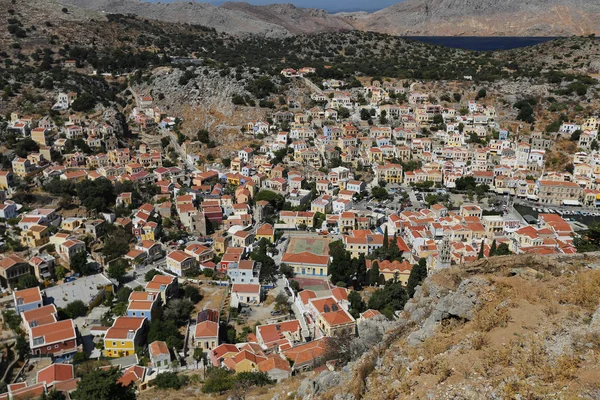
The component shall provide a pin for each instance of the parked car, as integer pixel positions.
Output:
(275, 313)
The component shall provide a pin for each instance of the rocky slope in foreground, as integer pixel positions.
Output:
(510, 327)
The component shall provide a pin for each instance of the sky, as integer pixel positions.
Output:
(329, 5)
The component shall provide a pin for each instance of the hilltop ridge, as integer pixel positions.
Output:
(410, 17)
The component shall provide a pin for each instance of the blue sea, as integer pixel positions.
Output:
(483, 43)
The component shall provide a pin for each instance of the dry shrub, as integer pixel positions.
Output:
(587, 341)
(364, 368)
(479, 340)
(551, 308)
(491, 317)
(584, 289)
(443, 371)
(436, 345)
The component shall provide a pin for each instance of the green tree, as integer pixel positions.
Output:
(193, 293)
(379, 193)
(391, 298)
(123, 294)
(27, 281)
(170, 380)
(385, 238)
(374, 274)
(96, 195)
(79, 263)
(101, 384)
(22, 346)
(493, 248)
(416, 277)
(503, 250)
(357, 304)
(118, 269)
(151, 274)
(481, 253)
(218, 380)
(481, 94)
(268, 268)
(76, 309)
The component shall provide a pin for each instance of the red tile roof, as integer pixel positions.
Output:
(55, 373)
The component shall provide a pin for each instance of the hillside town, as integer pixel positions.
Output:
(149, 256)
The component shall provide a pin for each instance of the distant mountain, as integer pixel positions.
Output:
(410, 17)
(485, 18)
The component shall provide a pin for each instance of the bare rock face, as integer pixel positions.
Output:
(409, 17)
(485, 18)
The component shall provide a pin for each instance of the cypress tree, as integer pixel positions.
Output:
(416, 277)
(385, 238)
(481, 255)
(374, 274)
(493, 248)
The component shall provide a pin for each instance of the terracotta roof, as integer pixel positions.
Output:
(308, 351)
(306, 295)
(370, 314)
(273, 332)
(60, 331)
(178, 256)
(325, 304)
(274, 362)
(40, 316)
(55, 373)
(122, 327)
(339, 317)
(245, 288)
(157, 348)
(11, 261)
(29, 296)
(206, 329)
(305, 258)
(223, 349)
(132, 374)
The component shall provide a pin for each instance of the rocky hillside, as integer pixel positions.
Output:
(509, 327)
(409, 17)
(485, 18)
(295, 20)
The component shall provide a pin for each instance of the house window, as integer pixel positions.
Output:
(114, 343)
(49, 348)
(56, 346)
(123, 343)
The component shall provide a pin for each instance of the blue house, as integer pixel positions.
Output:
(28, 299)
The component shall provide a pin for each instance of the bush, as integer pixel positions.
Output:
(170, 380)
(151, 274)
(76, 309)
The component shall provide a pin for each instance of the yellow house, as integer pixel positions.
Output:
(179, 261)
(70, 224)
(22, 166)
(124, 336)
(220, 245)
(336, 322)
(266, 231)
(6, 179)
(36, 236)
(244, 361)
(149, 231)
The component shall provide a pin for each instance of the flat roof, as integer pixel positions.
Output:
(84, 289)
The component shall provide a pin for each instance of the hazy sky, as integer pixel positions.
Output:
(329, 5)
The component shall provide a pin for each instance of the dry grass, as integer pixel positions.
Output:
(479, 340)
(490, 317)
(583, 290)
